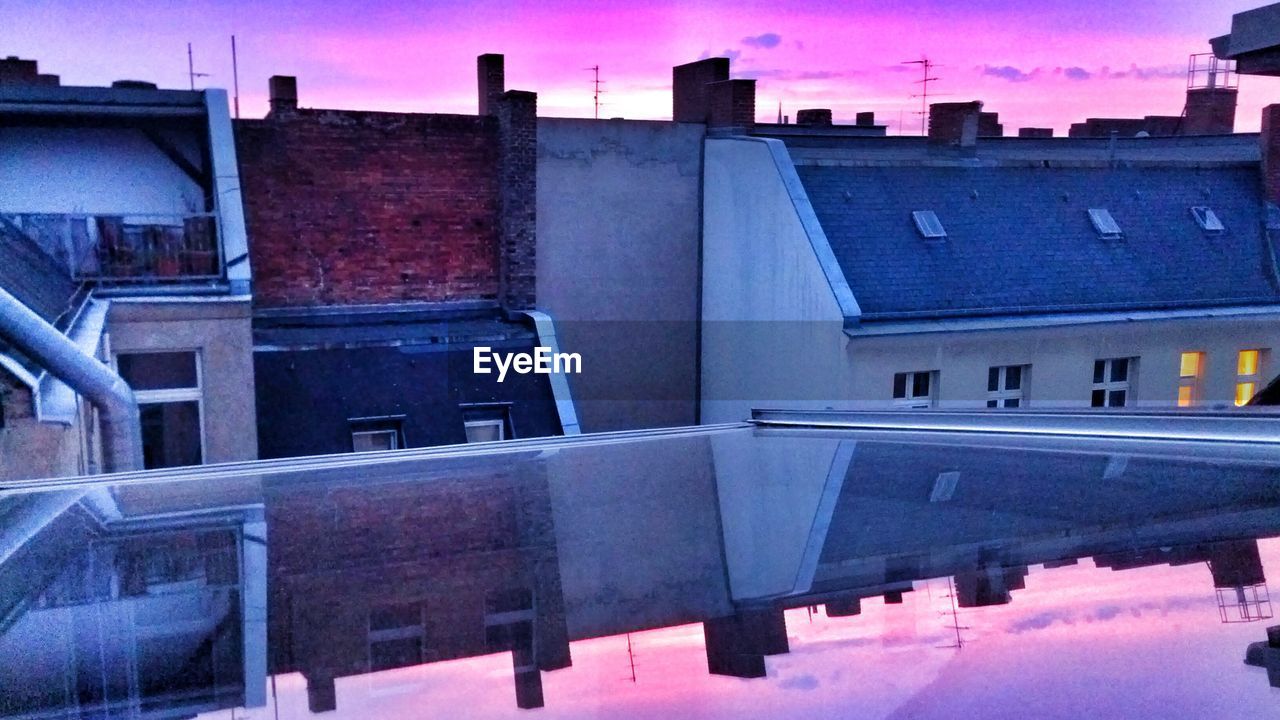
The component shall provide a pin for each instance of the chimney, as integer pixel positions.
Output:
(517, 113)
(813, 116)
(1270, 139)
(732, 105)
(1210, 111)
(989, 125)
(1033, 132)
(954, 124)
(865, 119)
(690, 95)
(16, 71)
(491, 78)
(283, 90)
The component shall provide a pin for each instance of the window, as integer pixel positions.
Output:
(1112, 381)
(487, 422)
(396, 635)
(1006, 386)
(914, 389)
(1248, 368)
(167, 385)
(928, 225)
(1190, 368)
(1207, 219)
(373, 434)
(1107, 227)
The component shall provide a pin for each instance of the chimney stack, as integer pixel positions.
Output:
(1210, 111)
(1270, 139)
(517, 115)
(813, 116)
(491, 78)
(16, 71)
(1034, 132)
(955, 124)
(283, 91)
(865, 119)
(732, 105)
(690, 91)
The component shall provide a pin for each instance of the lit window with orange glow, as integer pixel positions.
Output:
(1190, 367)
(1248, 367)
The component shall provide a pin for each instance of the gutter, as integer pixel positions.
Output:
(63, 359)
(559, 381)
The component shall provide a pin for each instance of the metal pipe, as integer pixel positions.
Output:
(107, 391)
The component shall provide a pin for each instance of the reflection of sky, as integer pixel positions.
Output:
(1044, 63)
(1077, 642)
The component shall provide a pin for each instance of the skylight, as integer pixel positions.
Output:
(1105, 224)
(1207, 219)
(928, 224)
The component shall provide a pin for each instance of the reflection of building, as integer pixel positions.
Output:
(120, 216)
(1236, 568)
(104, 614)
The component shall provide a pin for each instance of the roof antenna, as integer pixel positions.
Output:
(927, 66)
(235, 76)
(191, 69)
(595, 84)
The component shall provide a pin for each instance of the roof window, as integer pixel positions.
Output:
(1207, 219)
(1106, 225)
(928, 225)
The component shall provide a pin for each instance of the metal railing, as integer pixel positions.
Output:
(127, 248)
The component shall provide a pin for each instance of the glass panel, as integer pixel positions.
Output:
(484, 431)
(993, 379)
(1099, 371)
(1247, 364)
(993, 403)
(374, 440)
(1185, 396)
(170, 434)
(900, 385)
(920, 385)
(1120, 370)
(1012, 402)
(1244, 393)
(1190, 365)
(1099, 398)
(158, 371)
(1117, 398)
(1013, 377)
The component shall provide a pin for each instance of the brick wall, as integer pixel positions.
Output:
(1270, 139)
(732, 105)
(518, 207)
(360, 207)
(1210, 111)
(690, 98)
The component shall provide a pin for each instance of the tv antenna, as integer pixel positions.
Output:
(191, 69)
(235, 76)
(595, 88)
(926, 67)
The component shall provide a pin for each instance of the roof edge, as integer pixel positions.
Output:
(1011, 322)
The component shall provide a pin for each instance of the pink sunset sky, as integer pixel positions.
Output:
(1046, 63)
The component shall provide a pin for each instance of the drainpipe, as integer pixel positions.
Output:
(105, 390)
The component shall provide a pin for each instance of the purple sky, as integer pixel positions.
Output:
(1036, 63)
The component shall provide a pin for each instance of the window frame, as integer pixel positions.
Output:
(1190, 383)
(378, 425)
(1109, 385)
(1002, 394)
(494, 422)
(1254, 379)
(172, 395)
(910, 399)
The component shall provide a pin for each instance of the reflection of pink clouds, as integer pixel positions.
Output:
(421, 56)
(1132, 643)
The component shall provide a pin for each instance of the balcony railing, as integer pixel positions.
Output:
(127, 248)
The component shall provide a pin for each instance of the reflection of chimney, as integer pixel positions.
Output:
(690, 94)
(954, 124)
(1210, 111)
(1032, 132)
(283, 90)
(1270, 140)
(491, 78)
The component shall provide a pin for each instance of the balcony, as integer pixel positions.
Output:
(127, 248)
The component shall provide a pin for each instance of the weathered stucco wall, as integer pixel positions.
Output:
(31, 449)
(618, 233)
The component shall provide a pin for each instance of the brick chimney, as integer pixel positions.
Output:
(813, 116)
(283, 91)
(954, 124)
(732, 105)
(517, 113)
(1270, 140)
(865, 119)
(690, 95)
(491, 81)
(1210, 111)
(16, 71)
(1035, 132)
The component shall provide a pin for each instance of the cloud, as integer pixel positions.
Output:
(1158, 72)
(1075, 73)
(1008, 72)
(799, 45)
(729, 53)
(800, 682)
(767, 40)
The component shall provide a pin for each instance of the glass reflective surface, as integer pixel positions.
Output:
(733, 572)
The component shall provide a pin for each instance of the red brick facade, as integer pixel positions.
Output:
(351, 208)
(1270, 140)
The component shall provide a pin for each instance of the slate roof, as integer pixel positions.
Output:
(1019, 238)
(32, 276)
